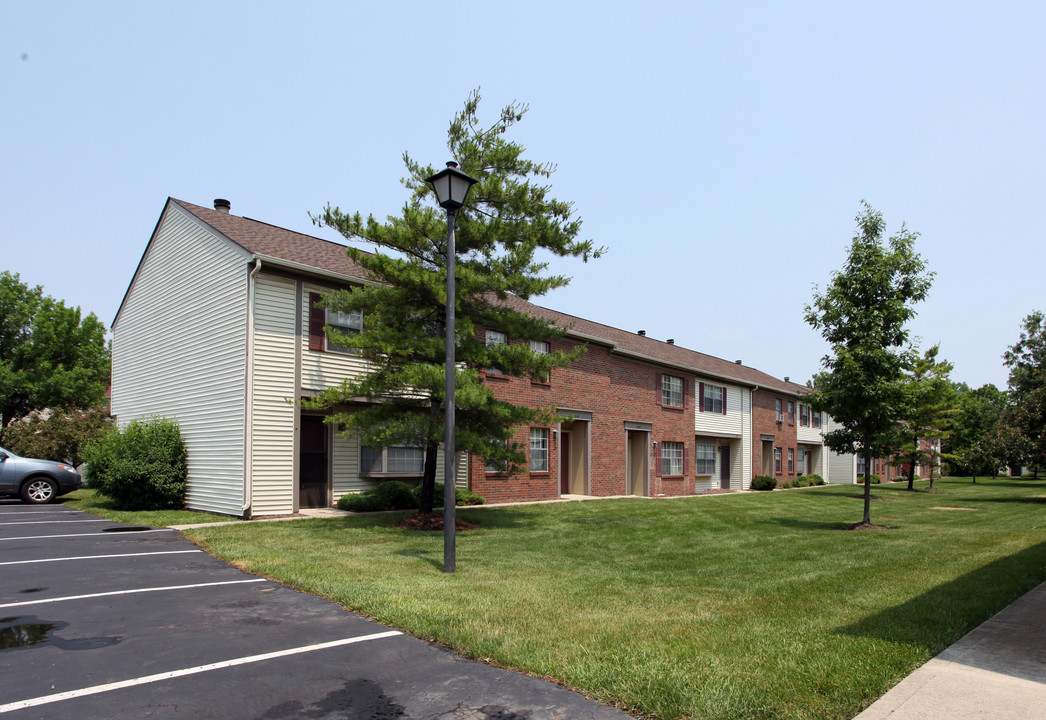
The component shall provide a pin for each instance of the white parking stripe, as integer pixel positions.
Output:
(51, 522)
(98, 557)
(94, 534)
(44, 700)
(129, 592)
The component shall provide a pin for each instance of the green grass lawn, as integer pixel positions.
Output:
(90, 501)
(753, 605)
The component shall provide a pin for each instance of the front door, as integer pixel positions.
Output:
(564, 463)
(637, 463)
(724, 466)
(312, 469)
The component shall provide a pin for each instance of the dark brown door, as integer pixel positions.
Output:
(312, 471)
(564, 463)
(724, 466)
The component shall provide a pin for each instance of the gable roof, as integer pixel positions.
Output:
(305, 252)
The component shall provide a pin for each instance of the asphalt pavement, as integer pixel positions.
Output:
(99, 620)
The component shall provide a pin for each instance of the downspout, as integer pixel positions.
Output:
(248, 478)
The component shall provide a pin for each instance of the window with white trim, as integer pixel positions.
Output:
(791, 460)
(704, 458)
(791, 413)
(541, 348)
(777, 459)
(817, 419)
(538, 449)
(671, 458)
(802, 461)
(777, 410)
(672, 391)
(491, 468)
(346, 323)
(804, 414)
(391, 460)
(493, 337)
(714, 399)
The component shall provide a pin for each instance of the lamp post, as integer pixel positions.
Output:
(451, 186)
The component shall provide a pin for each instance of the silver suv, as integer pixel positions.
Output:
(36, 481)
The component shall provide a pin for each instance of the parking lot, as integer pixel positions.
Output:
(102, 620)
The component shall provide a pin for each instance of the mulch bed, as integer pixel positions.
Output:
(432, 521)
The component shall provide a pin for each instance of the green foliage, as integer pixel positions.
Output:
(863, 314)
(926, 417)
(59, 434)
(462, 496)
(763, 482)
(978, 444)
(387, 495)
(50, 356)
(1026, 416)
(144, 467)
(814, 480)
(874, 479)
(509, 217)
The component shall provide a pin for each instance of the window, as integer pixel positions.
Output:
(791, 413)
(538, 449)
(672, 458)
(493, 337)
(347, 324)
(791, 460)
(704, 459)
(492, 468)
(817, 419)
(777, 459)
(541, 348)
(802, 461)
(804, 414)
(860, 465)
(777, 409)
(392, 460)
(713, 398)
(671, 391)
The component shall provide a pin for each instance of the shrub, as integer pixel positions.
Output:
(814, 480)
(462, 496)
(387, 495)
(916, 478)
(58, 434)
(142, 467)
(876, 479)
(786, 485)
(763, 482)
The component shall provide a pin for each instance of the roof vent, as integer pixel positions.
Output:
(642, 333)
(671, 341)
(787, 379)
(737, 362)
(222, 205)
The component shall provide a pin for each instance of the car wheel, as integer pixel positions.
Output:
(39, 491)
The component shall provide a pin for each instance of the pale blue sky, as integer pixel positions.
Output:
(719, 150)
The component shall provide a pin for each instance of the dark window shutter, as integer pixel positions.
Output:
(724, 400)
(686, 462)
(700, 397)
(657, 460)
(657, 392)
(686, 391)
(317, 319)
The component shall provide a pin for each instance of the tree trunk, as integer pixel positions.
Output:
(867, 484)
(428, 480)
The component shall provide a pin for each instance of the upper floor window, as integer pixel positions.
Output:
(777, 410)
(541, 348)
(704, 458)
(346, 323)
(804, 414)
(493, 337)
(672, 391)
(817, 419)
(538, 449)
(391, 460)
(713, 398)
(791, 413)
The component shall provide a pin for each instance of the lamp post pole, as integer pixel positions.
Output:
(451, 187)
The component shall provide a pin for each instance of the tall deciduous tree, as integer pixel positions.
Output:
(50, 355)
(1027, 362)
(863, 315)
(927, 414)
(975, 445)
(509, 217)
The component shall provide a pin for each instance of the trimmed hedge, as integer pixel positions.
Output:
(763, 482)
(462, 496)
(395, 495)
(142, 467)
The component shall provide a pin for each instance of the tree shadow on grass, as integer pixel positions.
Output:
(818, 525)
(429, 557)
(939, 617)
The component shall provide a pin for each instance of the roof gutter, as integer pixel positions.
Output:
(274, 262)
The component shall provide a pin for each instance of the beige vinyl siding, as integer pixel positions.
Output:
(736, 425)
(842, 469)
(732, 423)
(347, 465)
(178, 352)
(320, 370)
(745, 466)
(272, 439)
(807, 433)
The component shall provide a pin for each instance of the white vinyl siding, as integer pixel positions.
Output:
(320, 370)
(732, 423)
(272, 440)
(178, 352)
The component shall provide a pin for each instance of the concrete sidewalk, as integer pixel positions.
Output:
(996, 672)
